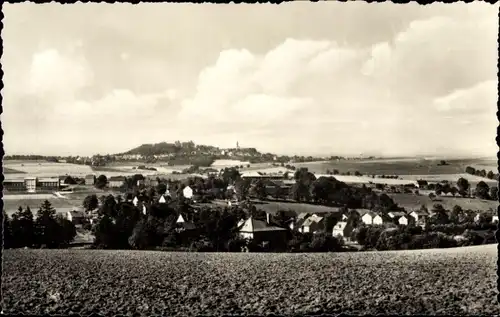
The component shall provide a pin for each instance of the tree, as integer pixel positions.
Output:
(69, 180)
(22, 228)
(463, 185)
(7, 231)
(242, 187)
(494, 193)
(490, 175)
(67, 230)
(258, 190)
(439, 217)
(161, 189)
(101, 181)
(470, 170)
(90, 202)
(46, 227)
(482, 190)
(432, 196)
(104, 233)
(454, 191)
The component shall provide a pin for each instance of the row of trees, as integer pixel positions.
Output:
(46, 230)
(482, 173)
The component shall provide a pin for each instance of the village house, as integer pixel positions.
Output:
(396, 214)
(76, 216)
(135, 201)
(420, 216)
(312, 224)
(90, 180)
(405, 220)
(116, 181)
(494, 218)
(162, 200)
(368, 217)
(183, 224)
(343, 230)
(261, 232)
(187, 192)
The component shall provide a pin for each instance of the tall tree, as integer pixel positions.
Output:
(463, 186)
(90, 202)
(482, 190)
(101, 181)
(47, 228)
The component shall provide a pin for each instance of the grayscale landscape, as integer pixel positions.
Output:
(301, 158)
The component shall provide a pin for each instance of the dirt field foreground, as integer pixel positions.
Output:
(458, 281)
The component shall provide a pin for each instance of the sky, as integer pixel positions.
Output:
(296, 78)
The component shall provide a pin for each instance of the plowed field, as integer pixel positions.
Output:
(450, 281)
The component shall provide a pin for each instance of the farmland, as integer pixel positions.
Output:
(398, 166)
(445, 281)
(412, 202)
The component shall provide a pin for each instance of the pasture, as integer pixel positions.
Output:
(48, 169)
(458, 281)
(411, 202)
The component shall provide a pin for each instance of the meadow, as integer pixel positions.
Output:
(438, 281)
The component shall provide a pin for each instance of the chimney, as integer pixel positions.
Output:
(267, 217)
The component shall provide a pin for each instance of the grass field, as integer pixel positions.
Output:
(7, 170)
(447, 281)
(397, 166)
(412, 202)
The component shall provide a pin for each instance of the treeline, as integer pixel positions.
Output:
(47, 230)
(482, 173)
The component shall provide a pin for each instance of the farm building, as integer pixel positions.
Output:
(312, 224)
(50, 183)
(262, 232)
(90, 180)
(116, 181)
(187, 192)
(14, 185)
(343, 230)
(30, 184)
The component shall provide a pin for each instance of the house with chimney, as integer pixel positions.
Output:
(342, 229)
(264, 233)
(312, 224)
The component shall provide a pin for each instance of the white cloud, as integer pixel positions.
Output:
(481, 97)
(58, 76)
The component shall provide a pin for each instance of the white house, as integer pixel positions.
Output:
(312, 224)
(420, 216)
(135, 201)
(144, 211)
(368, 218)
(404, 220)
(494, 218)
(162, 200)
(377, 220)
(344, 217)
(187, 192)
(477, 216)
(341, 229)
(180, 219)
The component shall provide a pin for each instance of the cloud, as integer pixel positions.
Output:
(56, 75)
(480, 98)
